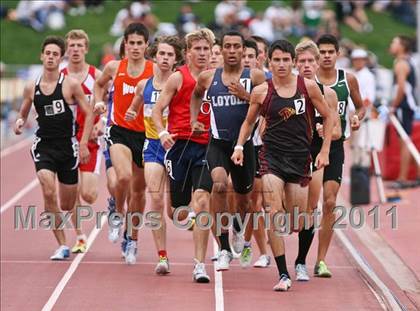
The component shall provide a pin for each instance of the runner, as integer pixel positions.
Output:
(250, 60)
(287, 102)
(345, 86)
(77, 44)
(166, 52)
(55, 149)
(307, 58)
(228, 89)
(190, 182)
(126, 138)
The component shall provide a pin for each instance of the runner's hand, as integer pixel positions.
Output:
(238, 157)
(19, 126)
(167, 140)
(130, 115)
(99, 108)
(235, 88)
(355, 122)
(322, 160)
(84, 153)
(197, 128)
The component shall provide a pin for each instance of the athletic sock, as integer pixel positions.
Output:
(281, 265)
(224, 241)
(247, 244)
(305, 240)
(162, 253)
(236, 225)
(81, 237)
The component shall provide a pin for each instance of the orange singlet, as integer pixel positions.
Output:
(124, 87)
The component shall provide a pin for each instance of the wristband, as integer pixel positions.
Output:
(162, 133)
(239, 147)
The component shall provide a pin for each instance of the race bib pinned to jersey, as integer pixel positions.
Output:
(300, 105)
(57, 107)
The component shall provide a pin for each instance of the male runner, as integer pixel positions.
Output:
(287, 102)
(55, 149)
(250, 60)
(166, 51)
(126, 138)
(77, 44)
(189, 179)
(228, 89)
(345, 86)
(307, 58)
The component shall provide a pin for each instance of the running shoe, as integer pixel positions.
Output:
(131, 252)
(216, 256)
(80, 246)
(301, 273)
(61, 253)
(284, 284)
(124, 245)
(321, 270)
(238, 242)
(224, 260)
(199, 274)
(246, 257)
(162, 267)
(114, 224)
(262, 262)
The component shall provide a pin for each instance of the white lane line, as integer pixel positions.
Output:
(19, 195)
(218, 283)
(75, 263)
(378, 285)
(15, 147)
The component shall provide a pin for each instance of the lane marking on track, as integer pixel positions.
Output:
(19, 195)
(70, 271)
(384, 293)
(218, 283)
(15, 147)
(147, 263)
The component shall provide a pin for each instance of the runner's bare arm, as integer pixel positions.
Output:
(257, 98)
(131, 113)
(22, 116)
(101, 85)
(201, 86)
(325, 111)
(332, 100)
(357, 100)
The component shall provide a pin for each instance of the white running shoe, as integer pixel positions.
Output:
(162, 267)
(223, 261)
(216, 256)
(199, 273)
(114, 230)
(61, 253)
(283, 285)
(301, 273)
(238, 242)
(262, 262)
(131, 252)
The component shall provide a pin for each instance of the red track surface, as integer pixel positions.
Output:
(103, 282)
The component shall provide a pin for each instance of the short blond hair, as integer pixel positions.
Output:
(307, 45)
(201, 34)
(77, 34)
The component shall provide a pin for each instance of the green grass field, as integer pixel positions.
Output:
(20, 45)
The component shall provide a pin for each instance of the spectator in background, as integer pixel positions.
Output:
(41, 14)
(262, 27)
(281, 17)
(317, 19)
(186, 19)
(404, 102)
(404, 11)
(367, 88)
(352, 13)
(225, 13)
